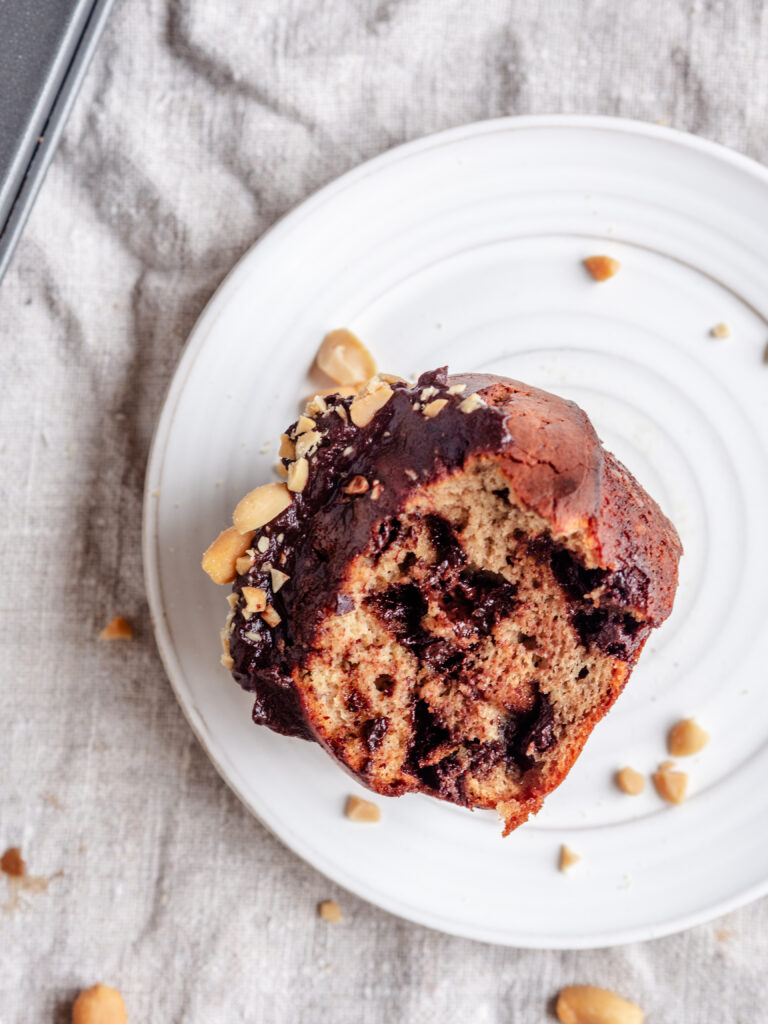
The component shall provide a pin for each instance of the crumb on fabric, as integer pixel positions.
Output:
(118, 629)
(330, 911)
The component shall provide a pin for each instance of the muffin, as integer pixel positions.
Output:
(450, 589)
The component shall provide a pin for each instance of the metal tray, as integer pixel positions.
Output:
(45, 49)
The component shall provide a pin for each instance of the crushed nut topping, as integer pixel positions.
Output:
(226, 657)
(262, 544)
(307, 443)
(303, 424)
(411, 474)
(344, 358)
(260, 506)
(298, 474)
(457, 389)
(427, 393)
(686, 738)
(357, 485)
(278, 579)
(271, 616)
(317, 406)
(586, 1004)
(244, 564)
(433, 408)
(567, 858)
(348, 450)
(255, 601)
(367, 404)
(376, 490)
(721, 331)
(280, 469)
(220, 560)
(341, 411)
(670, 785)
(471, 403)
(357, 809)
(330, 911)
(602, 267)
(287, 449)
(118, 629)
(630, 782)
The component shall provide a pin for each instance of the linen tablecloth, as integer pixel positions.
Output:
(201, 123)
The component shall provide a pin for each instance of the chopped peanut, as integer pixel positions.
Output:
(602, 267)
(357, 485)
(298, 474)
(278, 579)
(567, 858)
(303, 424)
(344, 358)
(629, 781)
(99, 1004)
(586, 1004)
(367, 404)
(244, 563)
(721, 331)
(220, 560)
(471, 403)
(357, 809)
(255, 601)
(118, 629)
(330, 911)
(306, 442)
(433, 408)
(260, 506)
(271, 616)
(670, 785)
(287, 448)
(686, 738)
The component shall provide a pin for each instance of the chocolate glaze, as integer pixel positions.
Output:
(556, 467)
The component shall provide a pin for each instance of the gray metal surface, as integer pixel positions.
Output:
(45, 46)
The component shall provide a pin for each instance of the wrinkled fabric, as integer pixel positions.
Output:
(200, 124)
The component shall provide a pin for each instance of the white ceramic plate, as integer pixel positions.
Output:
(465, 248)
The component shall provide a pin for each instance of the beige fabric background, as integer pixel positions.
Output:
(200, 123)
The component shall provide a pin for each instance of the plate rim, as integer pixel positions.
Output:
(155, 459)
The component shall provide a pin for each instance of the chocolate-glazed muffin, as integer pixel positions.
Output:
(451, 589)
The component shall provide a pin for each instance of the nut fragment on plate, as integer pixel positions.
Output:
(720, 331)
(357, 809)
(568, 857)
(602, 267)
(220, 560)
(118, 629)
(686, 738)
(344, 358)
(629, 781)
(99, 1004)
(587, 1004)
(330, 911)
(671, 785)
(365, 406)
(260, 506)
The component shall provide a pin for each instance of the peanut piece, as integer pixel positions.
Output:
(357, 809)
(220, 560)
(118, 629)
(357, 485)
(340, 391)
(602, 267)
(376, 490)
(344, 358)
(271, 616)
(306, 442)
(586, 1004)
(99, 1004)
(278, 579)
(298, 474)
(629, 781)
(568, 858)
(367, 404)
(433, 408)
(670, 785)
(457, 389)
(287, 449)
(255, 601)
(317, 405)
(721, 331)
(303, 424)
(244, 563)
(330, 911)
(260, 506)
(262, 544)
(471, 402)
(686, 738)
